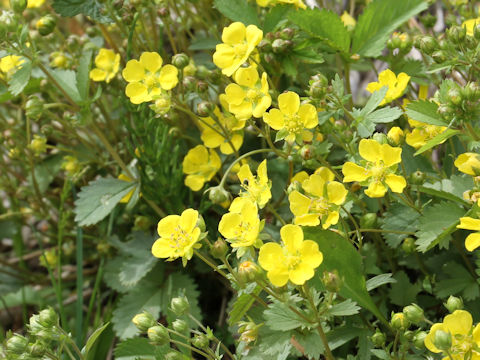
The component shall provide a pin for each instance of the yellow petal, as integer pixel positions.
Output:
(325, 173)
(308, 115)
(224, 56)
(390, 155)
(336, 193)
(376, 189)
(270, 256)
(133, 71)
(245, 174)
(459, 322)
(151, 61)
(469, 223)
(168, 77)
(188, 220)
(234, 94)
(246, 76)
(253, 35)
(262, 106)
(395, 182)
(354, 172)
(314, 185)
(162, 249)
(194, 182)
(476, 334)
(301, 273)
(275, 119)
(299, 203)
(472, 241)
(228, 224)
(278, 276)
(234, 33)
(370, 150)
(289, 103)
(292, 237)
(137, 93)
(98, 75)
(332, 219)
(431, 335)
(310, 254)
(166, 226)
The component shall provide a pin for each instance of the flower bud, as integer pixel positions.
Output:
(202, 72)
(399, 321)
(408, 245)
(419, 339)
(427, 44)
(454, 303)
(158, 334)
(378, 339)
(409, 335)
(439, 56)
(17, 344)
(368, 221)
(34, 107)
(307, 152)
(189, 82)
(218, 195)
(201, 86)
(456, 34)
(395, 136)
(248, 271)
(201, 223)
(163, 12)
(180, 326)
(265, 45)
(413, 313)
(180, 305)
(442, 340)
(219, 249)
(18, 5)
(144, 321)
(417, 177)
(380, 138)
(280, 46)
(205, 108)
(46, 24)
(200, 341)
(173, 355)
(180, 60)
(38, 144)
(142, 222)
(332, 281)
(48, 317)
(248, 331)
(454, 96)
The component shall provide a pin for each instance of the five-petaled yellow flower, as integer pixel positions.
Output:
(179, 236)
(241, 225)
(107, 63)
(10, 64)
(473, 240)
(292, 119)
(148, 78)
(296, 260)
(379, 168)
(213, 132)
(321, 201)
(249, 96)
(457, 329)
(238, 43)
(468, 163)
(255, 188)
(396, 85)
(200, 165)
(422, 133)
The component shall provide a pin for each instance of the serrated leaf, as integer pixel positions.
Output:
(380, 280)
(92, 8)
(458, 280)
(403, 292)
(378, 21)
(384, 115)
(241, 305)
(280, 317)
(274, 16)
(67, 80)
(450, 189)
(20, 78)
(399, 218)
(345, 308)
(138, 348)
(340, 255)
(97, 199)
(440, 138)
(437, 222)
(425, 112)
(373, 102)
(238, 10)
(325, 25)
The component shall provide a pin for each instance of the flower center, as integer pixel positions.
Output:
(240, 50)
(293, 123)
(378, 172)
(151, 81)
(293, 260)
(180, 239)
(253, 94)
(319, 206)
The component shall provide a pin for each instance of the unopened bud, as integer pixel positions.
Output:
(368, 221)
(248, 331)
(158, 334)
(34, 108)
(280, 46)
(408, 245)
(46, 24)
(180, 60)
(442, 340)
(381, 138)
(332, 281)
(180, 325)
(18, 5)
(205, 108)
(180, 305)
(219, 249)
(454, 96)
(395, 136)
(413, 313)
(218, 194)
(38, 144)
(378, 339)
(248, 271)
(419, 339)
(17, 344)
(142, 222)
(200, 341)
(453, 303)
(287, 33)
(399, 321)
(440, 56)
(37, 349)
(417, 177)
(174, 355)
(144, 321)
(48, 317)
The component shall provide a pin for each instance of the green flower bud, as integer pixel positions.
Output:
(399, 321)
(158, 334)
(456, 34)
(142, 222)
(413, 313)
(17, 344)
(37, 349)
(180, 305)
(409, 335)
(34, 107)
(248, 271)
(408, 245)
(173, 355)
(454, 96)
(18, 5)
(38, 144)
(419, 339)
(202, 72)
(201, 86)
(439, 56)
(48, 317)
(219, 249)
(427, 44)
(280, 46)
(428, 20)
(180, 326)
(287, 33)
(332, 281)
(368, 221)
(265, 45)
(46, 24)
(215, 76)
(8, 22)
(307, 152)
(200, 341)
(189, 82)
(180, 60)
(454, 303)
(144, 321)
(378, 339)
(417, 177)
(201, 223)
(442, 340)
(205, 108)
(248, 331)
(380, 138)
(218, 195)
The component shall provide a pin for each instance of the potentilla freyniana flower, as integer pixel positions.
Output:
(396, 85)
(200, 164)
(106, 66)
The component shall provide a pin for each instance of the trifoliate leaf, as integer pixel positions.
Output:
(437, 223)
(20, 78)
(380, 280)
(403, 292)
(92, 8)
(425, 112)
(97, 199)
(238, 10)
(345, 308)
(399, 218)
(280, 317)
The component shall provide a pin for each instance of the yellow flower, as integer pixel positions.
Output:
(249, 96)
(257, 189)
(238, 43)
(71, 165)
(470, 25)
(473, 240)
(148, 78)
(348, 20)
(35, 3)
(297, 3)
(396, 85)
(296, 260)
(379, 169)
(10, 64)
(292, 119)
(212, 132)
(107, 63)
(200, 165)
(458, 330)
(395, 135)
(38, 144)
(422, 133)
(241, 225)
(127, 197)
(468, 163)
(321, 201)
(178, 236)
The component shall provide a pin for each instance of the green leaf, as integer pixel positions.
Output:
(92, 340)
(325, 25)
(68, 82)
(403, 292)
(241, 305)
(399, 218)
(372, 103)
(437, 222)
(238, 10)
(458, 280)
(449, 189)
(425, 112)
(46, 171)
(20, 78)
(97, 199)
(380, 280)
(83, 74)
(384, 115)
(440, 138)
(378, 21)
(339, 254)
(343, 334)
(345, 308)
(92, 8)
(274, 16)
(280, 317)
(203, 44)
(139, 348)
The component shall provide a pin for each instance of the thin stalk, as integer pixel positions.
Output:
(79, 304)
